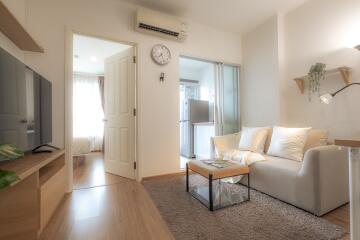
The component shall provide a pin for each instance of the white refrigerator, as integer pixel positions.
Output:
(193, 111)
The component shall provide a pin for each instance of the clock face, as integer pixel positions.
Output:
(161, 54)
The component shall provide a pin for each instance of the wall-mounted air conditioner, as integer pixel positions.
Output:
(161, 25)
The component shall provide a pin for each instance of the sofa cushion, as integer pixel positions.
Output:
(316, 138)
(288, 142)
(253, 138)
(276, 177)
(225, 143)
(276, 165)
(268, 140)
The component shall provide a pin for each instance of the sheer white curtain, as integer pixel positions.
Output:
(219, 99)
(88, 126)
(227, 105)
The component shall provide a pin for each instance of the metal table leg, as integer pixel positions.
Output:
(187, 177)
(248, 175)
(211, 204)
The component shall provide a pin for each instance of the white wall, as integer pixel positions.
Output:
(321, 31)
(158, 113)
(318, 31)
(260, 82)
(18, 10)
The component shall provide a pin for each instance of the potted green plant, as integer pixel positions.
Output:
(9, 152)
(316, 75)
(7, 178)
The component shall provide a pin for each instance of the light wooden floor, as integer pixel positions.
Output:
(341, 217)
(119, 211)
(90, 172)
(122, 210)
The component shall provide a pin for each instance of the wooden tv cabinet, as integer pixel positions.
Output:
(28, 204)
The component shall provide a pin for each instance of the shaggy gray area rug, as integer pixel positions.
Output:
(261, 218)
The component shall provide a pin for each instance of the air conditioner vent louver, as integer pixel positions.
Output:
(156, 29)
(159, 24)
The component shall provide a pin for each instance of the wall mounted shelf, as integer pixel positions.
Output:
(11, 28)
(345, 73)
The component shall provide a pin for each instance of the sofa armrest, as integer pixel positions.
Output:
(221, 144)
(324, 174)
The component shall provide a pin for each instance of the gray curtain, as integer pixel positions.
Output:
(101, 88)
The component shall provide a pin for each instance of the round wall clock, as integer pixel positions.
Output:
(161, 54)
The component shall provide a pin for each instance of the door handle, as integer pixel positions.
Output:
(105, 120)
(23, 121)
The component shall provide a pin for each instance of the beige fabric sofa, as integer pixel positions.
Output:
(318, 184)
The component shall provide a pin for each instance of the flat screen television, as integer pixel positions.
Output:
(25, 105)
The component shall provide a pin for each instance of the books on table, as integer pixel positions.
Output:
(219, 163)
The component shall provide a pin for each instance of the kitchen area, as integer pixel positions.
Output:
(209, 105)
(197, 97)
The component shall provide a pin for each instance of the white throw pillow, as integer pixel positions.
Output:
(253, 138)
(288, 143)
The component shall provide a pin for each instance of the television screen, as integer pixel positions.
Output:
(45, 111)
(25, 105)
(32, 87)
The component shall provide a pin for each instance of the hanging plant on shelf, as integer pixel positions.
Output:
(316, 75)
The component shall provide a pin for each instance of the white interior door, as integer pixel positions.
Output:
(119, 88)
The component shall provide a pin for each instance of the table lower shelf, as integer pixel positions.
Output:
(222, 196)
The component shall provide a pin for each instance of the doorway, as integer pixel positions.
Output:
(209, 105)
(103, 124)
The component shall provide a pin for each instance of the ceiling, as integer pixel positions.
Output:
(231, 15)
(90, 53)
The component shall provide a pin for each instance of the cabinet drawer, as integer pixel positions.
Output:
(51, 194)
(19, 214)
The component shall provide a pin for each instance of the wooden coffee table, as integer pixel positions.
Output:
(212, 173)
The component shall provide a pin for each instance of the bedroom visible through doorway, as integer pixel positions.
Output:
(100, 66)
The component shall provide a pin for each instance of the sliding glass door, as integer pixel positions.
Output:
(231, 108)
(209, 105)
